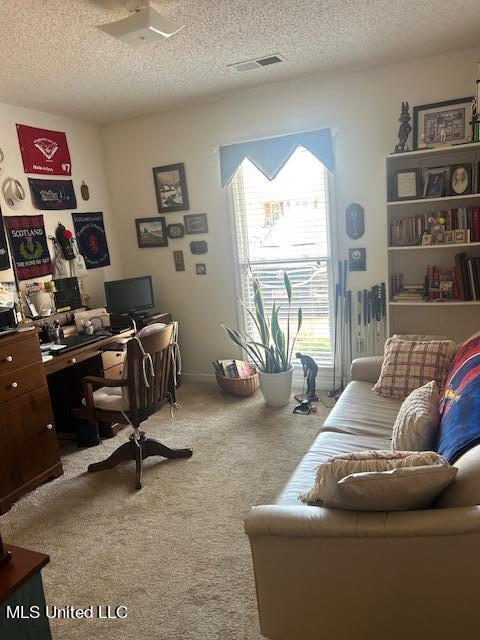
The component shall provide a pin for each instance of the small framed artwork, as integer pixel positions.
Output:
(171, 188)
(196, 223)
(151, 232)
(426, 239)
(438, 237)
(201, 269)
(448, 237)
(460, 236)
(406, 185)
(179, 261)
(434, 183)
(443, 123)
(176, 230)
(357, 259)
(460, 179)
(198, 247)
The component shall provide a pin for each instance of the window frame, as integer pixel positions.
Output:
(324, 380)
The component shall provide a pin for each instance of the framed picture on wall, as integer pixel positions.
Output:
(196, 223)
(151, 232)
(171, 188)
(443, 123)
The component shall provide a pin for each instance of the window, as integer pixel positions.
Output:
(280, 225)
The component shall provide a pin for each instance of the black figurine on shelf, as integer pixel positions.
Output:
(310, 370)
(403, 130)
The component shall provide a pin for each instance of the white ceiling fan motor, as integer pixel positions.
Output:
(142, 26)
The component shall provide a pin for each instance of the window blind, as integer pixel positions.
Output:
(280, 225)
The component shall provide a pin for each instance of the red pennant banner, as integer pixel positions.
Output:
(44, 151)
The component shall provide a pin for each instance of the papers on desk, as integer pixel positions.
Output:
(46, 357)
(51, 346)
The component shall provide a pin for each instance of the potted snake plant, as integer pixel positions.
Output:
(272, 351)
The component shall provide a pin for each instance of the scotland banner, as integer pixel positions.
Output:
(53, 194)
(29, 246)
(91, 239)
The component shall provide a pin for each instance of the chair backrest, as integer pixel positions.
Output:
(149, 364)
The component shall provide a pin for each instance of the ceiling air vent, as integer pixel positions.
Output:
(257, 63)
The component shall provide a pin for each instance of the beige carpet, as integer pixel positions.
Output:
(175, 553)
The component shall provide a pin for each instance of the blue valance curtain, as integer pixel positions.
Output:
(269, 155)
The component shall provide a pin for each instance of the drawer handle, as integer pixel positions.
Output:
(49, 426)
(73, 360)
(14, 385)
(9, 358)
(118, 355)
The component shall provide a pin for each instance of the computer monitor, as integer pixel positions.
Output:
(129, 295)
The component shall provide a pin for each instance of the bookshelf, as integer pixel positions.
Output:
(455, 318)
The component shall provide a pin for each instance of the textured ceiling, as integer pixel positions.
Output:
(54, 59)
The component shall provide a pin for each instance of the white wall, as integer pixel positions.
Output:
(87, 164)
(365, 108)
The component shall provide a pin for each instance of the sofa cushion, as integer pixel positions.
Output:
(465, 489)
(400, 489)
(415, 428)
(361, 411)
(409, 365)
(329, 473)
(326, 445)
(459, 428)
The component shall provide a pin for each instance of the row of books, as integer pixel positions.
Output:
(233, 368)
(409, 230)
(461, 282)
(467, 273)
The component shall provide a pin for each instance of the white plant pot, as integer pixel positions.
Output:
(276, 387)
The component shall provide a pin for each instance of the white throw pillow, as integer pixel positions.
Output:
(330, 473)
(401, 489)
(416, 426)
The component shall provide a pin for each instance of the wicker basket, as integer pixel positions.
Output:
(242, 387)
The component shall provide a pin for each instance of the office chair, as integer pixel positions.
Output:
(150, 366)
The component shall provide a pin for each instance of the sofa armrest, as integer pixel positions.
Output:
(318, 522)
(343, 574)
(366, 369)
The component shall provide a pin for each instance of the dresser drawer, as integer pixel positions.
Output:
(112, 359)
(19, 354)
(16, 383)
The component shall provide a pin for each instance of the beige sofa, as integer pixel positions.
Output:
(343, 575)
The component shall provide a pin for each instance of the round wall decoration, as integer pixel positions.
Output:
(175, 230)
(355, 221)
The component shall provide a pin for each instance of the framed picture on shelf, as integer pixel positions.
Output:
(426, 239)
(196, 223)
(460, 179)
(448, 237)
(443, 123)
(406, 184)
(151, 232)
(434, 182)
(171, 188)
(460, 236)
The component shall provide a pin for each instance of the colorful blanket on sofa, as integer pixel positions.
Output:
(460, 404)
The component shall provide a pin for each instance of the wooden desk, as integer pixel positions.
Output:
(21, 586)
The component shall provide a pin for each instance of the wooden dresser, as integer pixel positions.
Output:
(29, 452)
